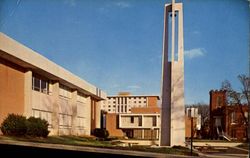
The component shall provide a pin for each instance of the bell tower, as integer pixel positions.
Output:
(173, 110)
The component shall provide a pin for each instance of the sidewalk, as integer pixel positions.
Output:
(90, 149)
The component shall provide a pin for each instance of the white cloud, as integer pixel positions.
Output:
(196, 32)
(122, 4)
(71, 3)
(134, 87)
(194, 53)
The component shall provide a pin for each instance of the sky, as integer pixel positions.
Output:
(116, 45)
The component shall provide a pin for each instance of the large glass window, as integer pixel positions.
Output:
(40, 84)
(64, 91)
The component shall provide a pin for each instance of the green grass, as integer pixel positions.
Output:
(92, 142)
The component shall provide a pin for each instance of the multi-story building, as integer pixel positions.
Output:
(32, 85)
(124, 102)
(136, 117)
(226, 121)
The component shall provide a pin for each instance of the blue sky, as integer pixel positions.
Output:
(117, 44)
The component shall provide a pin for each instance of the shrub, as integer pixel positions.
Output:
(14, 125)
(101, 133)
(37, 127)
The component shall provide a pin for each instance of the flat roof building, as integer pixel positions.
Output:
(124, 102)
(136, 117)
(32, 85)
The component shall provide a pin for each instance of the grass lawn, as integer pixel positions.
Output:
(92, 142)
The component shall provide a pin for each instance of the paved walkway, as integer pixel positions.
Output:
(91, 149)
(220, 150)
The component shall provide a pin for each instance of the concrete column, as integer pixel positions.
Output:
(55, 109)
(73, 103)
(98, 114)
(172, 113)
(28, 93)
(88, 116)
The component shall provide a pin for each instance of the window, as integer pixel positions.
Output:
(233, 119)
(246, 114)
(154, 121)
(82, 98)
(64, 91)
(132, 119)
(40, 85)
(219, 102)
(140, 121)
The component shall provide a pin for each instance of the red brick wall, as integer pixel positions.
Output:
(112, 125)
(11, 89)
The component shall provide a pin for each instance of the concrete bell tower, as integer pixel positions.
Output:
(173, 110)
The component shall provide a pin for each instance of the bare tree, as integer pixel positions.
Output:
(239, 98)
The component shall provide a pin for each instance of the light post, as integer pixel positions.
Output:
(191, 136)
(190, 114)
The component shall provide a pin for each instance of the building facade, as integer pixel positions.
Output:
(124, 102)
(226, 121)
(192, 113)
(136, 117)
(32, 85)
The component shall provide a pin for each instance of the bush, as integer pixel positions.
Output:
(101, 133)
(18, 125)
(37, 127)
(14, 125)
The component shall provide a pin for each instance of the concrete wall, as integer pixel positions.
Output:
(146, 121)
(12, 89)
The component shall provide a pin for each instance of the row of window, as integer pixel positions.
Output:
(42, 85)
(125, 102)
(154, 121)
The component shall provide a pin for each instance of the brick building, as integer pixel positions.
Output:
(226, 121)
(32, 85)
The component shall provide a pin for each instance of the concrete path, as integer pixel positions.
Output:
(220, 150)
(117, 152)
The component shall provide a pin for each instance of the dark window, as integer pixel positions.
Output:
(36, 84)
(219, 101)
(154, 121)
(132, 119)
(40, 85)
(140, 121)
